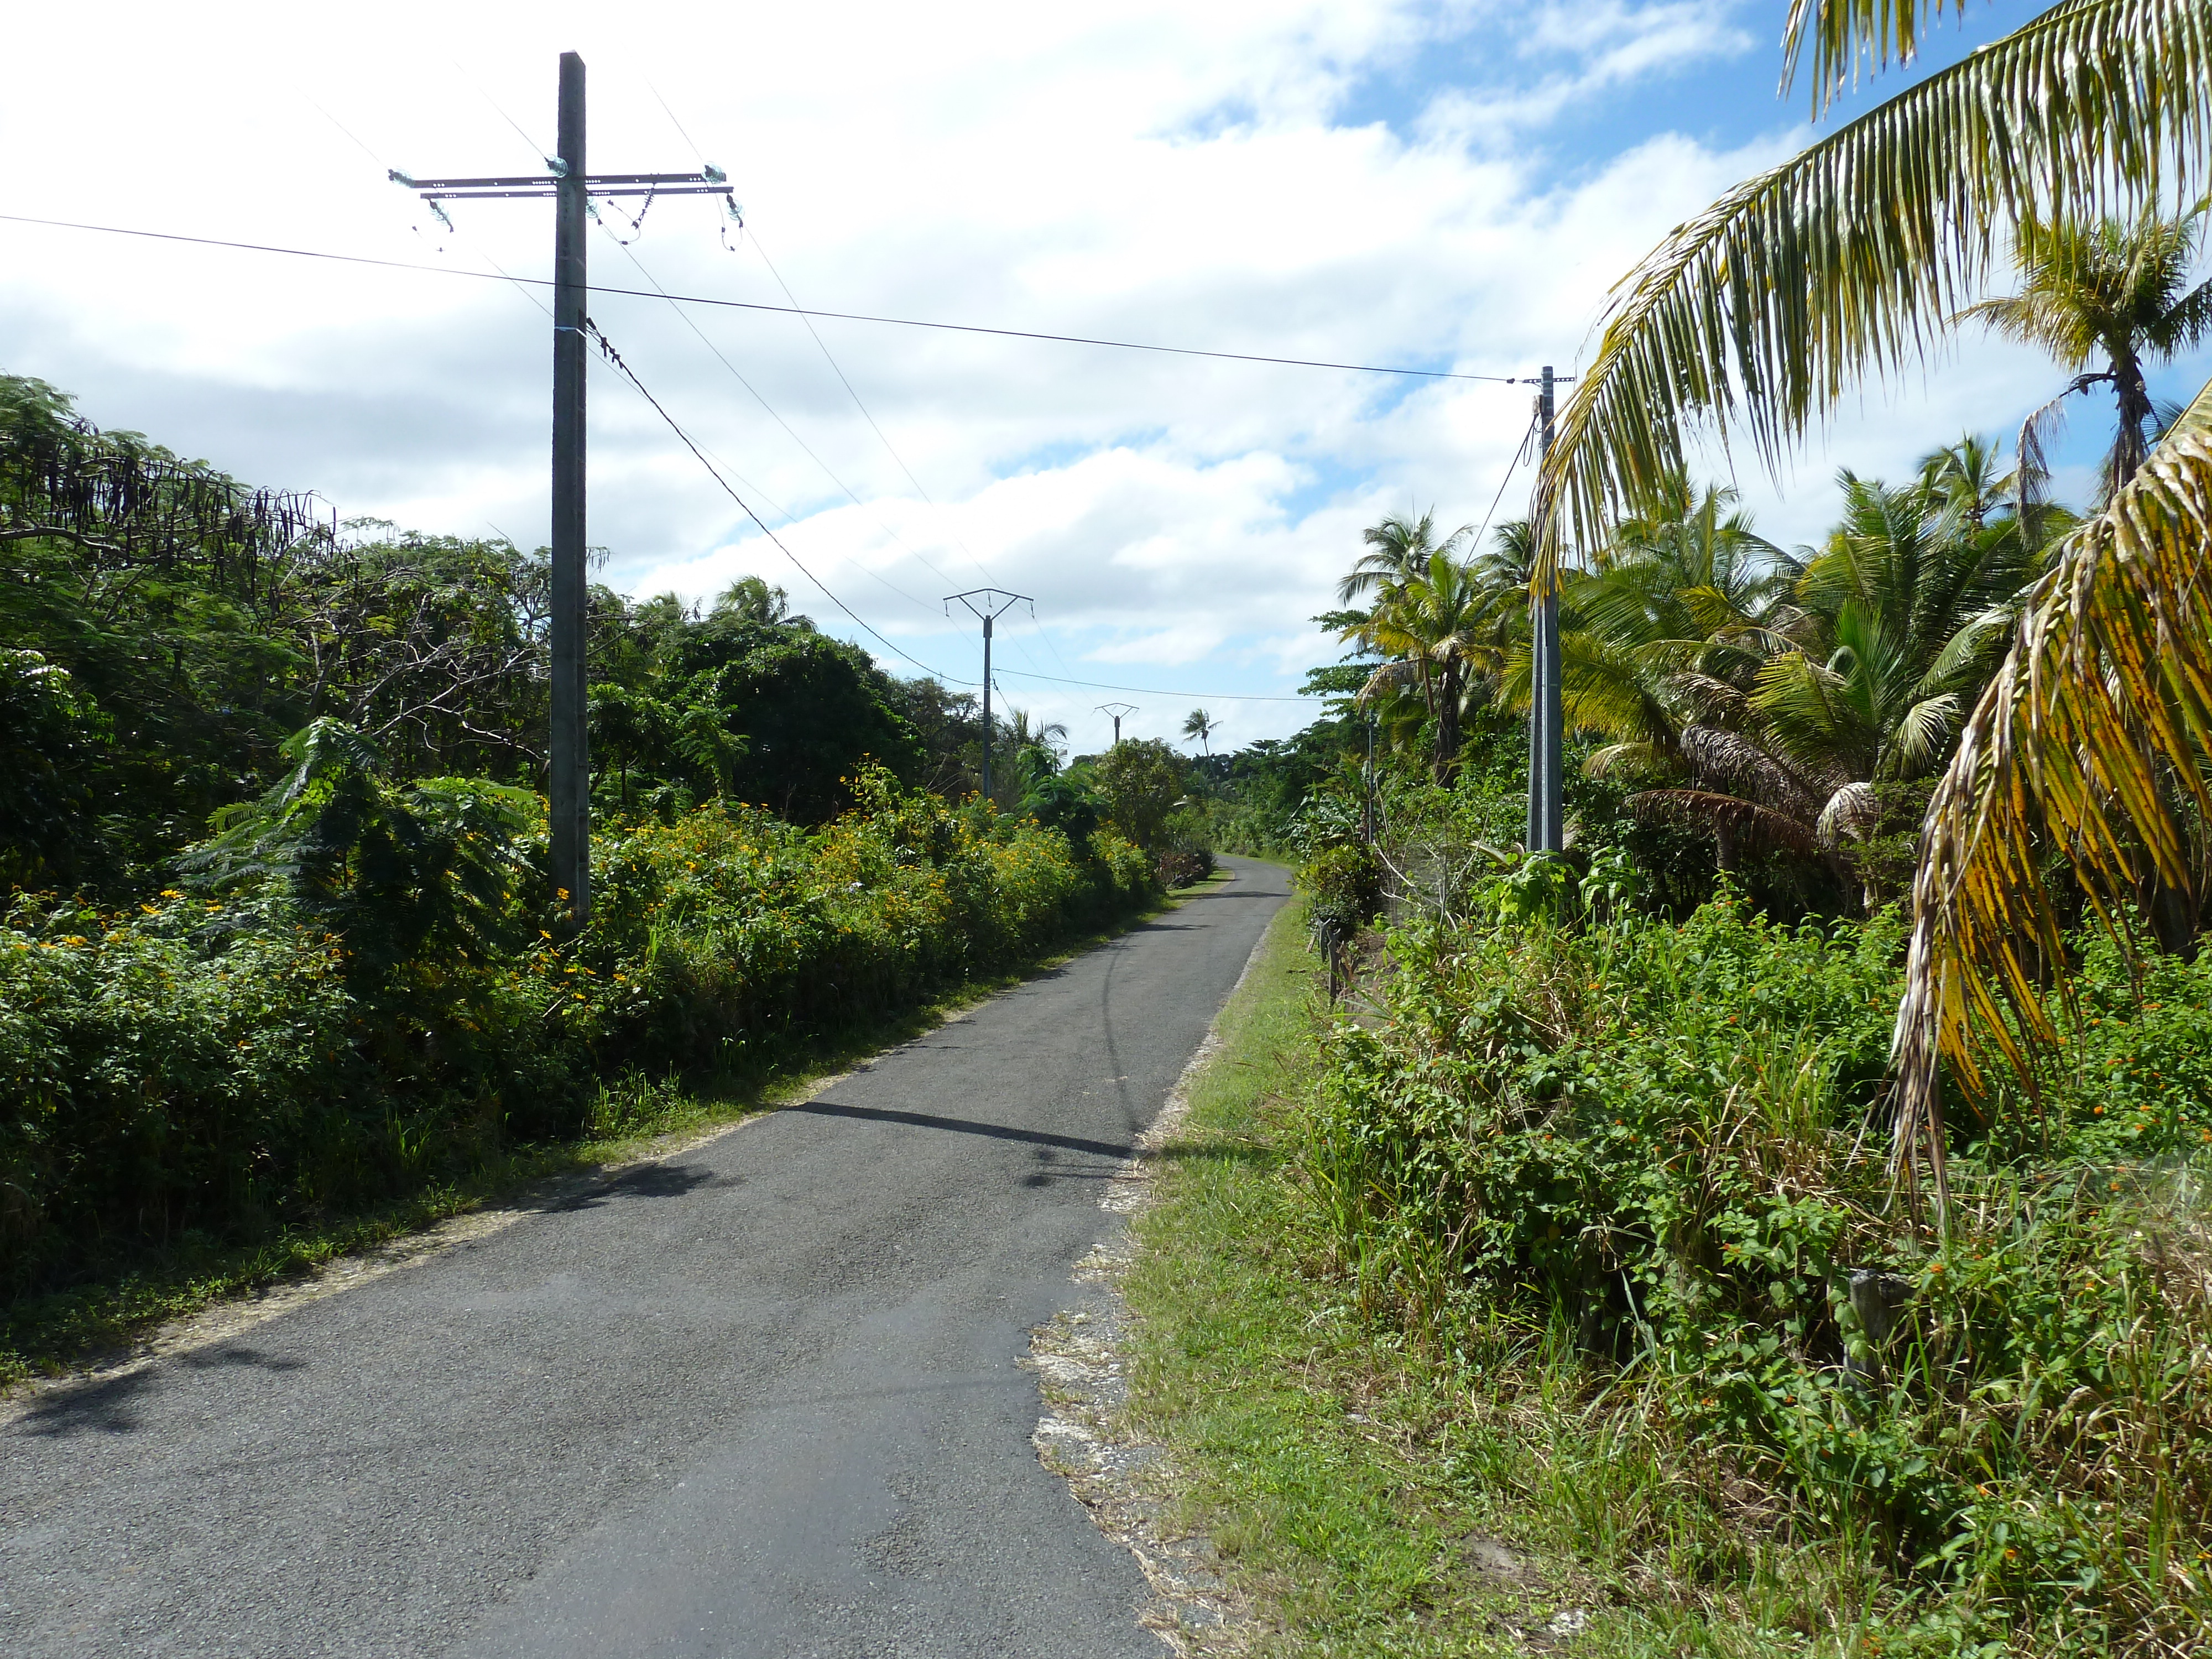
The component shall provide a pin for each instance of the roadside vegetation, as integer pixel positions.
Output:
(280, 966)
(1778, 1223)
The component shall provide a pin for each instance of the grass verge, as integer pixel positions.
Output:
(634, 1119)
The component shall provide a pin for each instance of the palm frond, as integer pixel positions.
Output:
(1852, 810)
(1849, 37)
(1850, 257)
(2090, 742)
(1755, 826)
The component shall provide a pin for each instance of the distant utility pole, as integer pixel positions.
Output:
(1547, 810)
(1115, 711)
(569, 787)
(989, 604)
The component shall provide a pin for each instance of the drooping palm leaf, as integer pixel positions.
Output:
(2090, 742)
(1846, 35)
(1849, 257)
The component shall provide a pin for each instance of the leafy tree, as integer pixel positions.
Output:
(50, 738)
(810, 710)
(410, 875)
(1141, 781)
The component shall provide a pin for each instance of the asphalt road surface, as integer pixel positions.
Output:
(763, 1398)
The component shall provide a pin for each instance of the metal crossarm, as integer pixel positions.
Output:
(705, 183)
(568, 181)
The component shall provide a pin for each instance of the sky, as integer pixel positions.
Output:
(1451, 185)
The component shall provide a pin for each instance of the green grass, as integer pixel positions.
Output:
(1378, 1498)
(633, 1119)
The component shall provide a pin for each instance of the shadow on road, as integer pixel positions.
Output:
(965, 1126)
(105, 1406)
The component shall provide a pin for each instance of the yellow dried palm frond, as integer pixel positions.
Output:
(2090, 743)
(1851, 256)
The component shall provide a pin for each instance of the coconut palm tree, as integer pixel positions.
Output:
(2115, 291)
(1033, 745)
(1436, 629)
(1398, 550)
(1201, 725)
(1775, 700)
(754, 600)
(1756, 316)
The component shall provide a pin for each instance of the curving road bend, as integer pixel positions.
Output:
(760, 1399)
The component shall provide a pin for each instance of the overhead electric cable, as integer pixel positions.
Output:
(780, 311)
(1520, 454)
(881, 437)
(692, 323)
(1153, 690)
(787, 515)
(607, 349)
(685, 133)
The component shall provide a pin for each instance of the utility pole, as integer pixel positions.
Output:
(1547, 813)
(1367, 805)
(1115, 711)
(568, 788)
(990, 603)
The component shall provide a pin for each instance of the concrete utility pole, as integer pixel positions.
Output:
(1367, 801)
(1115, 711)
(990, 603)
(1546, 812)
(569, 787)
(569, 793)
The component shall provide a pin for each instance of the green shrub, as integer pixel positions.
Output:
(1343, 887)
(1669, 1142)
(349, 1012)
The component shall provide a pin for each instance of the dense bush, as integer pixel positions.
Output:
(1343, 887)
(347, 1009)
(1666, 1145)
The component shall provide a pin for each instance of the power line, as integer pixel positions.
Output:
(606, 346)
(735, 374)
(781, 310)
(788, 516)
(837, 369)
(1152, 690)
(1520, 454)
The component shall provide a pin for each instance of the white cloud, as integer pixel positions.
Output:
(1185, 175)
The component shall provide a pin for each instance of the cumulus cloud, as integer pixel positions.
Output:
(1375, 181)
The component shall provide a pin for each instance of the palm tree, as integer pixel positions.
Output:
(752, 598)
(1760, 313)
(1435, 627)
(1201, 725)
(1034, 746)
(1669, 631)
(1398, 550)
(2117, 291)
(1775, 699)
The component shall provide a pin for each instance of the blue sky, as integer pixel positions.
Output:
(1362, 180)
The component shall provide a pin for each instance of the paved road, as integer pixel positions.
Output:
(761, 1399)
